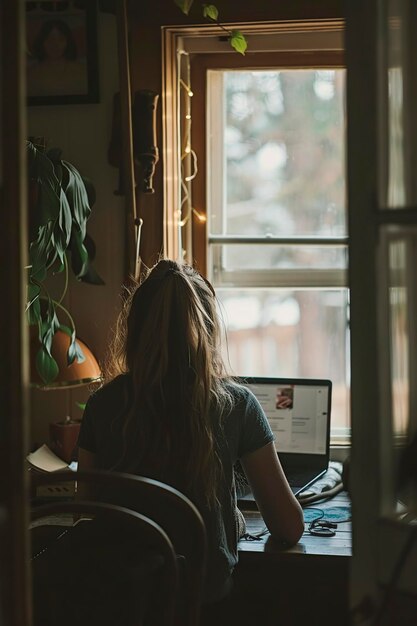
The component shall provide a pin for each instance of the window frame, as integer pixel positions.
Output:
(313, 44)
(307, 37)
(200, 64)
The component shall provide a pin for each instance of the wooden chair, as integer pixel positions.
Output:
(170, 509)
(111, 567)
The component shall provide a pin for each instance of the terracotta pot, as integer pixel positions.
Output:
(64, 436)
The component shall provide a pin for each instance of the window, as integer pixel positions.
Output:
(277, 240)
(268, 206)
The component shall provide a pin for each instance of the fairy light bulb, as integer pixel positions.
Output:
(200, 216)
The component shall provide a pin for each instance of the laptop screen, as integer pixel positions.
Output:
(298, 411)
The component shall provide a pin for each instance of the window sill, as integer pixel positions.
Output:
(339, 452)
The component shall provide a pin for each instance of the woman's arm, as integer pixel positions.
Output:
(281, 511)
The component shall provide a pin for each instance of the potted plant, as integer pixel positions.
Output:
(60, 202)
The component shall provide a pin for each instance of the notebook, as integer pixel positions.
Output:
(298, 411)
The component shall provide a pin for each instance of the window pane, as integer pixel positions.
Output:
(284, 153)
(300, 333)
(271, 256)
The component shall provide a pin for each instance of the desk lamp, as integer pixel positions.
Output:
(64, 434)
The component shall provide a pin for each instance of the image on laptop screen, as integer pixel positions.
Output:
(298, 412)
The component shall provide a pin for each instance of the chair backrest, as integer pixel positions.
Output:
(112, 567)
(169, 508)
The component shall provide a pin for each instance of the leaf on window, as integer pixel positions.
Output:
(210, 12)
(184, 5)
(238, 41)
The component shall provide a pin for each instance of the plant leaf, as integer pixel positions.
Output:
(65, 218)
(74, 351)
(79, 353)
(91, 276)
(238, 41)
(76, 194)
(39, 252)
(49, 327)
(184, 5)
(81, 405)
(46, 366)
(33, 307)
(66, 330)
(210, 12)
(32, 294)
(71, 354)
(79, 254)
(90, 189)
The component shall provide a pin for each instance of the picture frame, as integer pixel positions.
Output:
(62, 58)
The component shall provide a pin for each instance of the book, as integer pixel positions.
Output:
(44, 460)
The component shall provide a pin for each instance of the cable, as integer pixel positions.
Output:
(323, 495)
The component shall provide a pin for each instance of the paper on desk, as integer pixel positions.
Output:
(45, 460)
(330, 479)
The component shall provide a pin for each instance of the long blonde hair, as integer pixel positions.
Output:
(169, 345)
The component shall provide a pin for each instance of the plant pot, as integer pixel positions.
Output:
(64, 436)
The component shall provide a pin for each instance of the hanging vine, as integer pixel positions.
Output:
(210, 12)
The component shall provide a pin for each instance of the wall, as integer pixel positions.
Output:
(82, 131)
(146, 20)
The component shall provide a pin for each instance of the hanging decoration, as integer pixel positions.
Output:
(188, 157)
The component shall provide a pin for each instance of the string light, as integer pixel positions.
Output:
(187, 88)
(200, 216)
(189, 167)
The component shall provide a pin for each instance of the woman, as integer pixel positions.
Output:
(170, 413)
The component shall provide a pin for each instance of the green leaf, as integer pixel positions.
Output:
(79, 254)
(71, 354)
(77, 197)
(184, 5)
(33, 307)
(79, 353)
(49, 327)
(90, 189)
(91, 276)
(210, 12)
(65, 218)
(46, 366)
(74, 351)
(39, 251)
(238, 41)
(66, 330)
(81, 405)
(32, 294)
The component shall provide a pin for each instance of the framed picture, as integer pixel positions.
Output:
(62, 52)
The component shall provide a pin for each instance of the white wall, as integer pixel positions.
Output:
(82, 131)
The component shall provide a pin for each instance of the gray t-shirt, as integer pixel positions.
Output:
(244, 429)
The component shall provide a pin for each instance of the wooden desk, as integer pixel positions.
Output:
(303, 585)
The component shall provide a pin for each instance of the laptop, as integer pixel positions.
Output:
(298, 411)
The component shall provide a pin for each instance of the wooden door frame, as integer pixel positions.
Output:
(15, 602)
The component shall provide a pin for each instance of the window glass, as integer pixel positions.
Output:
(271, 256)
(295, 333)
(284, 153)
(276, 172)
